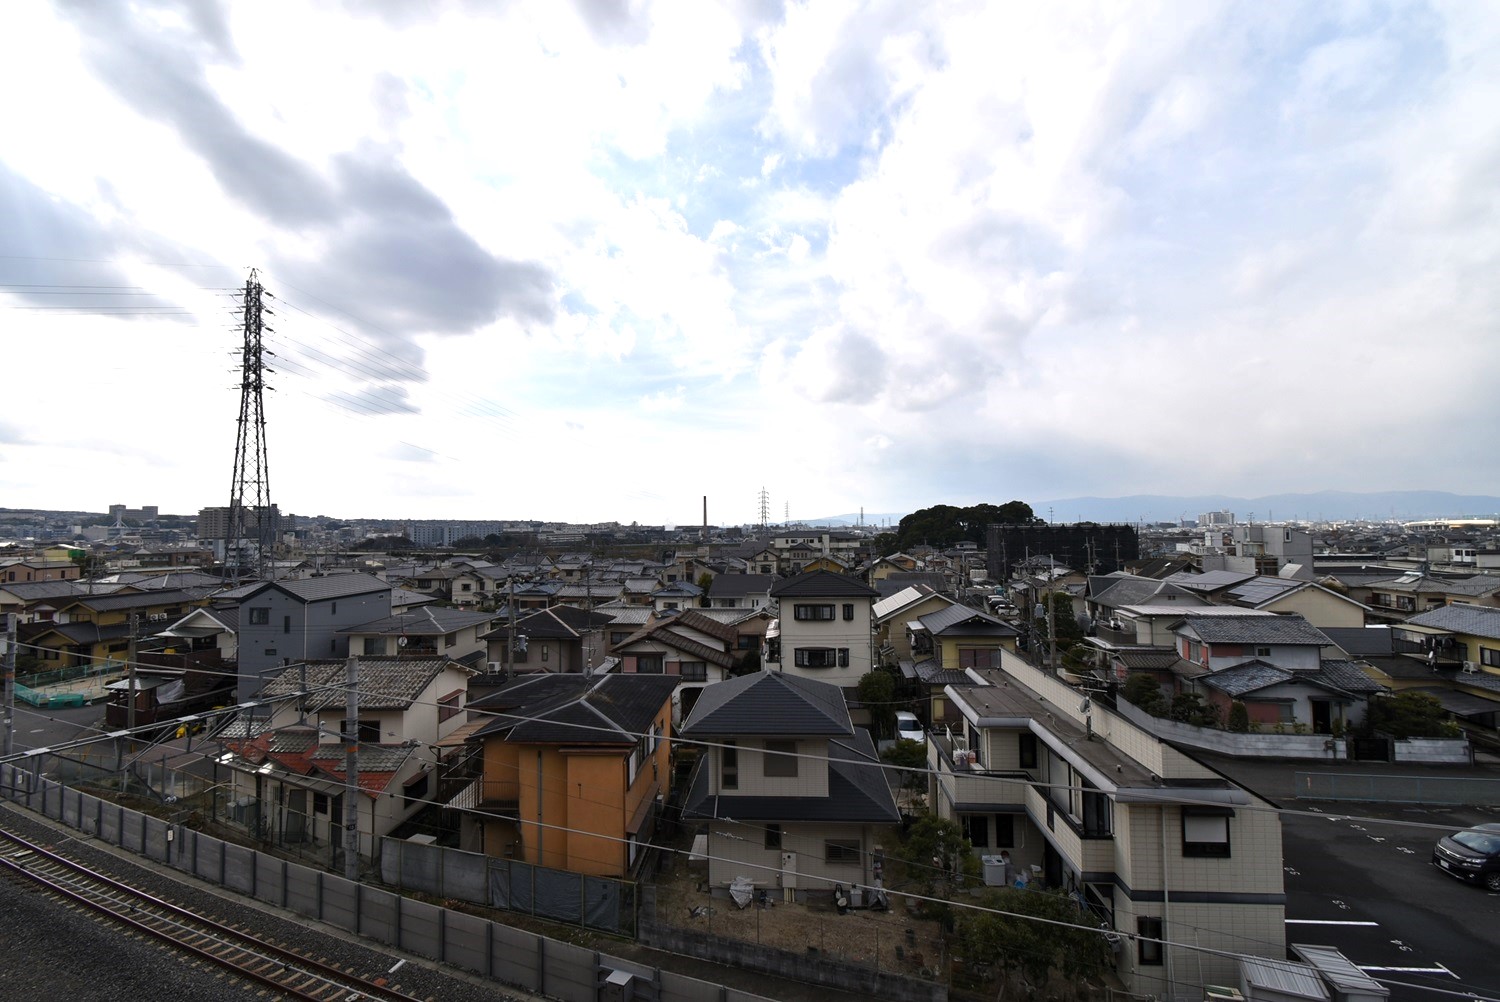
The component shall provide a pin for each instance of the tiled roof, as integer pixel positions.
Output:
(140, 600)
(1475, 620)
(1348, 676)
(36, 591)
(1143, 591)
(931, 673)
(1208, 581)
(1245, 678)
(1361, 641)
(817, 584)
(1255, 630)
(766, 702)
(1146, 660)
(384, 683)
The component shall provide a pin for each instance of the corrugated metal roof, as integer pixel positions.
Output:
(1284, 976)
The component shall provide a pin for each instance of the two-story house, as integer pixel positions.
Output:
(428, 632)
(787, 790)
(287, 774)
(689, 646)
(557, 639)
(1274, 665)
(740, 591)
(93, 629)
(1161, 848)
(575, 769)
(825, 624)
(282, 622)
(892, 613)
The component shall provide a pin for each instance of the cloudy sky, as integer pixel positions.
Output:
(593, 261)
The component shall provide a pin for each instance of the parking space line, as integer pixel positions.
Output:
(1439, 969)
(1329, 922)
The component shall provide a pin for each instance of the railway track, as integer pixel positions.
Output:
(285, 971)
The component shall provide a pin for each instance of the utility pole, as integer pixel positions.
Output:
(135, 625)
(10, 684)
(351, 769)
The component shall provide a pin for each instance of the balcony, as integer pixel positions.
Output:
(971, 784)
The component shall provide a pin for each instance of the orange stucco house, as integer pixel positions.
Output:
(575, 768)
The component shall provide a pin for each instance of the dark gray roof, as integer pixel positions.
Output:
(1142, 591)
(1245, 678)
(1475, 620)
(428, 621)
(1348, 676)
(1255, 630)
(140, 600)
(321, 588)
(857, 791)
(37, 591)
(820, 584)
(1146, 659)
(575, 709)
(1208, 581)
(1361, 641)
(740, 585)
(770, 703)
(383, 683)
(962, 619)
(931, 673)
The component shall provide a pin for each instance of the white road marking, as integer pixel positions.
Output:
(1328, 922)
(1439, 969)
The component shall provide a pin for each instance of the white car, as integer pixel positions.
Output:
(908, 727)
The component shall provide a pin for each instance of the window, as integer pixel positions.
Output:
(374, 647)
(841, 850)
(747, 642)
(415, 791)
(729, 768)
(1148, 945)
(848, 612)
(286, 624)
(693, 671)
(449, 639)
(333, 609)
(819, 613)
(369, 731)
(1005, 832)
(1263, 652)
(1205, 832)
(773, 836)
(978, 657)
(649, 664)
(449, 705)
(320, 803)
(618, 636)
(843, 657)
(816, 657)
(977, 830)
(1489, 656)
(260, 617)
(780, 759)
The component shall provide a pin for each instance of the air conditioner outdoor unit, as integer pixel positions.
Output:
(1471, 668)
(496, 667)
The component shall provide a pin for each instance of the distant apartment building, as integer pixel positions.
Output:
(1273, 550)
(213, 523)
(1216, 518)
(145, 513)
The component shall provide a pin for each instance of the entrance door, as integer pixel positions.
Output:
(296, 815)
(1322, 717)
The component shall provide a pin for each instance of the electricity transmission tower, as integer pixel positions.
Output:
(251, 527)
(765, 508)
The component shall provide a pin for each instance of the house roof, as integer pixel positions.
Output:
(902, 600)
(1208, 581)
(38, 591)
(661, 633)
(135, 600)
(740, 585)
(1474, 620)
(383, 683)
(428, 621)
(1361, 641)
(318, 589)
(931, 673)
(1146, 658)
(961, 619)
(858, 792)
(819, 584)
(575, 709)
(1341, 677)
(1255, 630)
(769, 703)
(1142, 591)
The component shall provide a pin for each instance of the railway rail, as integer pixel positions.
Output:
(285, 971)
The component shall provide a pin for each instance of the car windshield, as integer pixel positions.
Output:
(1485, 842)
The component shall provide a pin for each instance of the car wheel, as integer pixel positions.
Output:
(1492, 881)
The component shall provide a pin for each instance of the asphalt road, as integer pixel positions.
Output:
(1359, 877)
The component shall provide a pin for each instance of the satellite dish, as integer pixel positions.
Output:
(401, 642)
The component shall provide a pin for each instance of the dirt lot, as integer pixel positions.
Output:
(893, 940)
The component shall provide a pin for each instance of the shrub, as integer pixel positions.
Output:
(1239, 717)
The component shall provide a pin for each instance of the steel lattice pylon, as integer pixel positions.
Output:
(250, 493)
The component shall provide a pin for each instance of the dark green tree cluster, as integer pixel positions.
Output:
(1010, 937)
(877, 692)
(1144, 691)
(944, 525)
(935, 854)
(1409, 714)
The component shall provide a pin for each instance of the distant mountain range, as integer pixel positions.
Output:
(1404, 506)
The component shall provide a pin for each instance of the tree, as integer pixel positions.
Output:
(935, 852)
(1239, 717)
(1189, 708)
(877, 692)
(1409, 714)
(705, 580)
(943, 525)
(1144, 691)
(1008, 934)
(910, 757)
